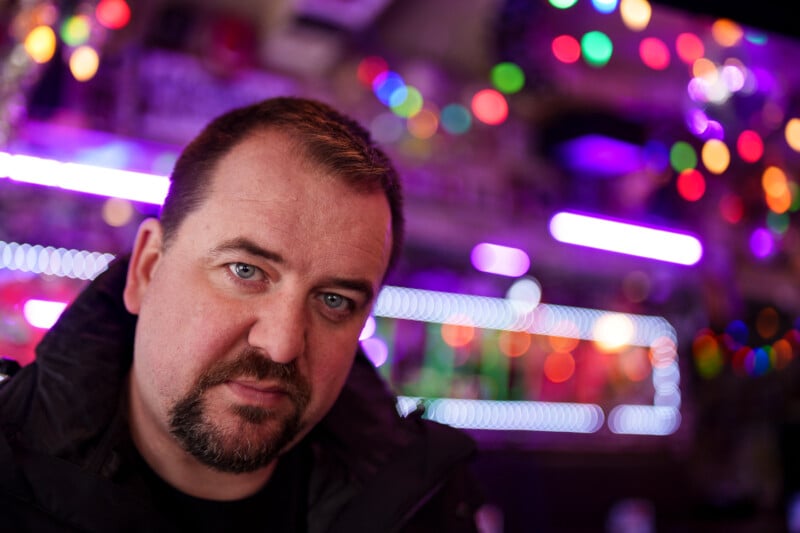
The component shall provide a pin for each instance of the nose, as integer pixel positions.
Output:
(279, 329)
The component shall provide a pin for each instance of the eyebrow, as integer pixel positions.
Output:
(361, 286)
(244, 244)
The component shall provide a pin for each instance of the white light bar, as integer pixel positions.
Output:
(654, 332)
(626, 238)
(644, 420)
(499, 313)
(508, 415)
(125, 184)
(80, 264)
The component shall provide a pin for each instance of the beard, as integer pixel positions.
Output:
(250, 445)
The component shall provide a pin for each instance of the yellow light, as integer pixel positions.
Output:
(83, 63)
(792, 133)
(40, 44)
(716, 156)
(635, 14)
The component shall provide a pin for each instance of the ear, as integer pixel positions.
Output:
(147, 251)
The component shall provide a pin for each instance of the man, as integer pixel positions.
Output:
(210, 382)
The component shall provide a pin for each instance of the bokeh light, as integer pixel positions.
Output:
(457, 335)
(731, 208)
(559, 367)
(716, 156)
(689, 47)
(490, 107)
(566, 49)
(726, 32)
(750, 146)
(113, 14)
(682, 156)
(40, 44)
(369, 68)
(83, 63)
(563, 4)
(778, 223)
(117, 212)
(762, 243)
(777, 194)
(507, 77)
(691, 185)
(376, 350)
(524, 294)
(612, 331)
(654, 53)
(423, 125)
(596, 48)
(455, 119)
(406, 101)
(514, 343)
(499, 259)
(792, 133)
(385, 84)
(75, 30)
(387, 128)
(707, 354)
(605, 6)
(635, 14)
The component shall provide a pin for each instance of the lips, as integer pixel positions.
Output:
(256, 392)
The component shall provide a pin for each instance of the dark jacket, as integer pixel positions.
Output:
(62, 432)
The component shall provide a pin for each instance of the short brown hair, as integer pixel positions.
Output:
(331, 139)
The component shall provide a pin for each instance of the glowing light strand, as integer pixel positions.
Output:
(37, 259)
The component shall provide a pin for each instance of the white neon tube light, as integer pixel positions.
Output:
(90, 179)
(626, 238)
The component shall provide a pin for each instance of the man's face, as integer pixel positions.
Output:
(249, 320)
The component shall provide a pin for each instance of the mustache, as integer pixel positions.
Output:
(251, 363)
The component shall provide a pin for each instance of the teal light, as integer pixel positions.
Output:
(456, 119)
(596, 48)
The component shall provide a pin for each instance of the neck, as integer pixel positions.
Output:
(180, 469)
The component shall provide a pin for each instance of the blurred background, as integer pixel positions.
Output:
(601, 276)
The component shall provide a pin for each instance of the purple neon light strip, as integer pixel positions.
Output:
(625, 238)
(125, 184)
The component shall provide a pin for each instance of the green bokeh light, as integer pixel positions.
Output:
(778, 223)
(406, 102)
(682, 156)
(75, 30)
(507, 77)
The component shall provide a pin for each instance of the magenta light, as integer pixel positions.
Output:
(502, 260)
(626, 238)
(134, 186)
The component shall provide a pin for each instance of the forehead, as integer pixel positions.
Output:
(265, 188)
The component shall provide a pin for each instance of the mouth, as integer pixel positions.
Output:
(264, 394)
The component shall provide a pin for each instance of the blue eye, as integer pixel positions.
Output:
(334, 301)
(243, 270)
